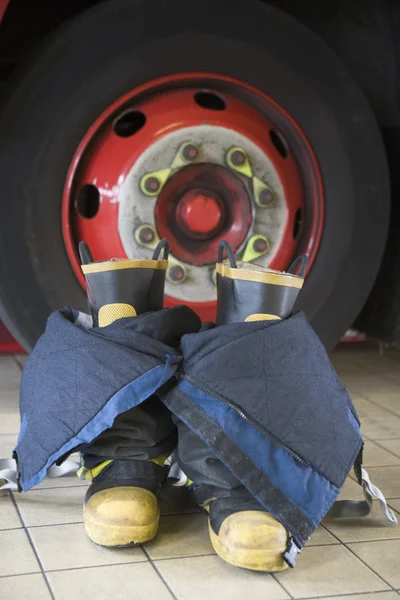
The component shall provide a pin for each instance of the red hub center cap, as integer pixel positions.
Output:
(199, 212)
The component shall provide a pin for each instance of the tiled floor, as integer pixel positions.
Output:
(44, 553)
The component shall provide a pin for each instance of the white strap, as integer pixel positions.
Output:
(372, 492)
(8, 472)
(178, 475)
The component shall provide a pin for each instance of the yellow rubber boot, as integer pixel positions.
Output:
(121, 516)
(251, 539)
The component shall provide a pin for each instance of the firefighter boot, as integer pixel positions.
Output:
(121, 506)
(241, 531)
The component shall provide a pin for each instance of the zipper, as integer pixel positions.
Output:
(245, 417)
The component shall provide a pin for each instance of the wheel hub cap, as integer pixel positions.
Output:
(199, 213)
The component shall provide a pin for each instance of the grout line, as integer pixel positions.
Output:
(19, 575)
(376, 373)
(54, 525)
(33, 548)
(371, 541)
(383, 447)
(179, 557)
(390, 412)
(158, 572)
(131, 562)
(355, 594)
(275, 578)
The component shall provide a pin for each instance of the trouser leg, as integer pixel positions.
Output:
(145, 432)
(211, 478)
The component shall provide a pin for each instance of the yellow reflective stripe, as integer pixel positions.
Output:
(118, 265)
(84, 473)
(261, 317)
(160, 460)
(284, 279)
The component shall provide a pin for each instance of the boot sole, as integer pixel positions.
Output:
(119, 536)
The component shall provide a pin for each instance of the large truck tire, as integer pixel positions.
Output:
(109, 106)
(365, 35)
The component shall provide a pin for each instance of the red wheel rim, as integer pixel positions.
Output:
(126, 134)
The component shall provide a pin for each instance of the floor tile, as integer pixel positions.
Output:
(67, 547)
(387, 479)
(366, 408)
(119, 582)
(392, 445)
(380, 366)
(9, 518)
(388, 401)
(10, 374)
(209, 577)
(376, 596)
(7, 445)
(382, 557)
(351, 491)
(51, 507)
(396, 505)
(181, 536)
(9, 423)
(380, 428)
(375, 456)
(321, 537)
(17, 556)
(32, 587)
(329, 570)
(369, 383)
(63, 482)
(21, 360)
(373, 527)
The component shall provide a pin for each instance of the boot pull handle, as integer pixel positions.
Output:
(85, 254)
(223, 245)
(299, 263)
(162, 246)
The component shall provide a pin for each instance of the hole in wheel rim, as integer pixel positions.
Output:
(209, 101)
(88, 201)
(279, 142)
(129, 123)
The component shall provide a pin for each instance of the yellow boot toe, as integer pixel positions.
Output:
(252, 540)
(121, 516)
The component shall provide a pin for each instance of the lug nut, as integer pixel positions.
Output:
(146, 235)
(238, 158)
(152, 184)
(265, 198)
(176, 274)
(260, 245)
(190, 152)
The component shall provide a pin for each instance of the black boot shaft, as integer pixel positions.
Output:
(124, 288)
(247, 292)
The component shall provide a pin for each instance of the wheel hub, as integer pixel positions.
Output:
(199, 213)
